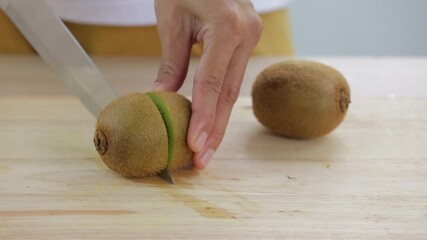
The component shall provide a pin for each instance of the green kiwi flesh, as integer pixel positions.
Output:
(167, 119)
(179, 109)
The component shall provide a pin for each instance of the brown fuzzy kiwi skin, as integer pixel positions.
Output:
(300, 99)
(180, 110)
(131, 137)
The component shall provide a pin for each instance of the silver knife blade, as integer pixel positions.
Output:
(45, 31)
(166, 175)
(52, 40)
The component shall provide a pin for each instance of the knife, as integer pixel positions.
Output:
(55, 44)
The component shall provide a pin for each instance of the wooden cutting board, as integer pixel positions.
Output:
(365, 180)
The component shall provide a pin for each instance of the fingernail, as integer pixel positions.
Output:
(200, 141)
(206, 157)
(154, 87)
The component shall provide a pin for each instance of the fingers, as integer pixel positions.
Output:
(208, 82)
(228, 95)
(225, 102)
(229, 31)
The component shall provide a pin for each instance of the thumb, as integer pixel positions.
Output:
(174, 63)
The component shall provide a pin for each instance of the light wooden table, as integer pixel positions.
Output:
(366, 180)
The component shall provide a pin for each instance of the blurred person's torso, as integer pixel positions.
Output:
(128, 12)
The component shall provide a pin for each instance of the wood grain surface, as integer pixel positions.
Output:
(366, 180)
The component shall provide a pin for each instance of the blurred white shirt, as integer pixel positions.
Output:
(128, 12)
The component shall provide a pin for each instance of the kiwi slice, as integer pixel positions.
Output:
(167, 120)
(179, 109)
(141, 134)
(300, 99)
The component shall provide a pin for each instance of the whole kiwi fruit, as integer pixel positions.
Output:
(141, 134)
(300, 99)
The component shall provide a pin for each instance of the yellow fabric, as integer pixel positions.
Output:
(110, 40)
(11, 41)
(276, 38)
(107, 40)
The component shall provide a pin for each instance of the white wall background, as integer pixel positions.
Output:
(359, 27)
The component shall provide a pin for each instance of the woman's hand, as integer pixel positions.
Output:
(229, 30)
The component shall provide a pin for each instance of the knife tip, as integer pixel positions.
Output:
(166, 175)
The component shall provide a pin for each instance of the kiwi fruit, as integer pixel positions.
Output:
(300, 99)
(141, 134)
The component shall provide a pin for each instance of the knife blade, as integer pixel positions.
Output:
(166, 175)
(55, 44)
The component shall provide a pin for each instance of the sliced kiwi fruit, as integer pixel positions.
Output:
(300, 99)
(141, 134)
(167, 120)
(179, 109)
